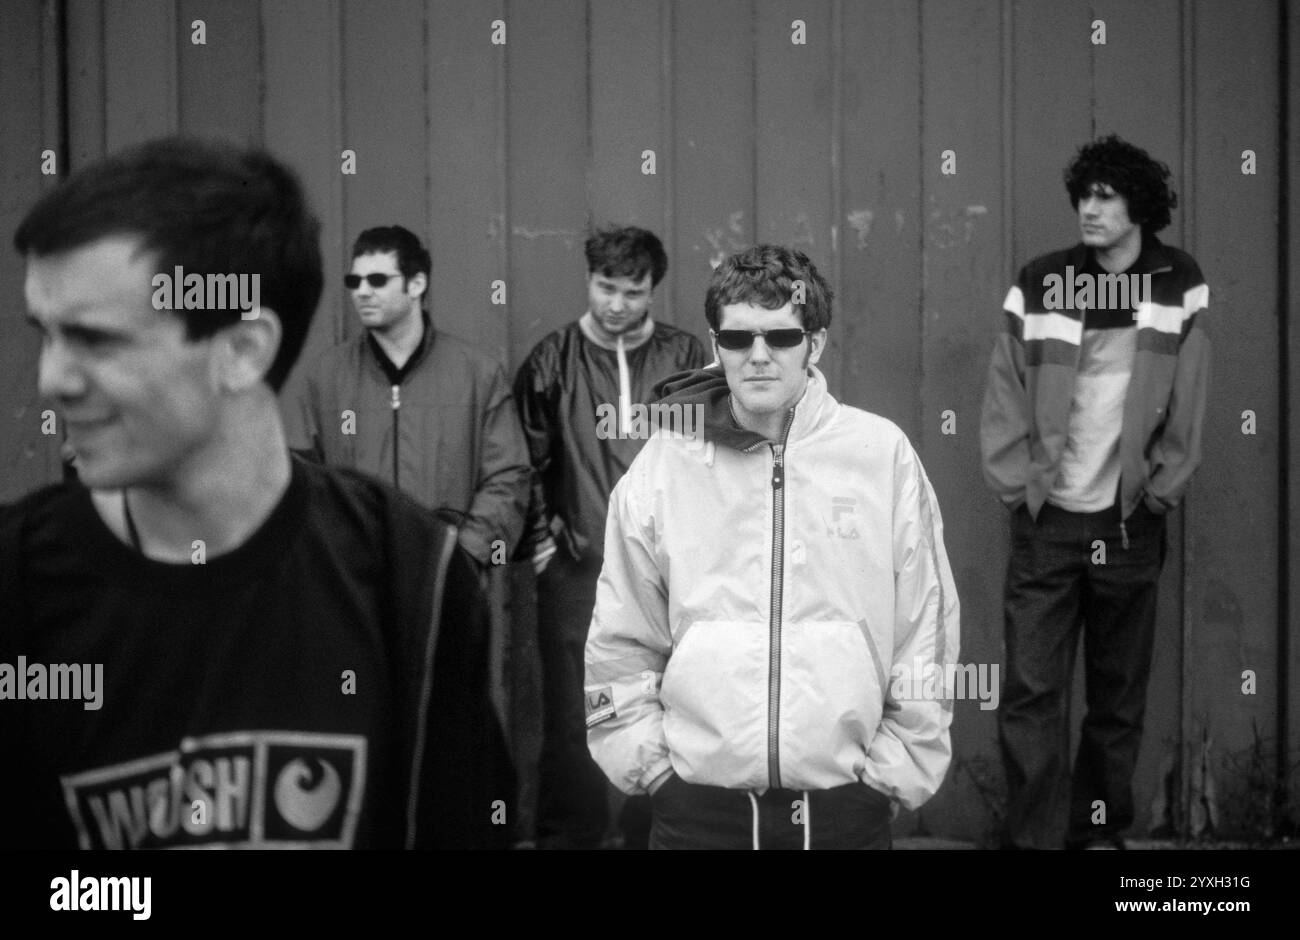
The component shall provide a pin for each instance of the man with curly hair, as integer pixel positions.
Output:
(761, 585)
(1090, 432)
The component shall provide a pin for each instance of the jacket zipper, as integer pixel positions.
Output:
(397, 406)
(774, 628)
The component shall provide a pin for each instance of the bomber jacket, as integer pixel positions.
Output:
(445, 432)
(559, 387)
(759, 601)
(1025, 418)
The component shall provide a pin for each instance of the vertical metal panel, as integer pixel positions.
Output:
(220, 81)
(301, 115)
(878, 222)
(385, 122)
(964, 282)
(626, 111)
(1231, 530)
(28, 458)
(792, 142)
(466, 227)
(546, 164)
(87, 138)
(1052, 105)
(1290, 616)
(714, 132)
(1126, 62)
(140, 88)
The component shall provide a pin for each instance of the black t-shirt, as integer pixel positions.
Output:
(275, 696)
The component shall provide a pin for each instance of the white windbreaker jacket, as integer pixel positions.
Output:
(758, 601)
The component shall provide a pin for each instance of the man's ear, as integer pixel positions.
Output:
(417, 284)
(246, 349)
(816, 343)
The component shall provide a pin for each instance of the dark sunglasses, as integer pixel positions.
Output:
(353, 281)
(743, 339)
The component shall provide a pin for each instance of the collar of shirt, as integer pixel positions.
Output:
(394, 374)
(631, 339)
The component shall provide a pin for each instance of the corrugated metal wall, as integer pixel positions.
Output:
(504, 155)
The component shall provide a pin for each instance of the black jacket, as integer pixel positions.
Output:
(558, 389)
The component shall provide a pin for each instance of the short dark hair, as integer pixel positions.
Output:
(412, 257)
(765, 275)
(1131, 172)
(205, 206)
(627, 252)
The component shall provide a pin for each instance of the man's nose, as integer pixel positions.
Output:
(58, 374)
(616, 304)
(760, 351)
(1089, 206)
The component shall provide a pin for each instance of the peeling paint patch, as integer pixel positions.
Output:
(523, 231)
(953, 227)
(726, 240)
(860, 221)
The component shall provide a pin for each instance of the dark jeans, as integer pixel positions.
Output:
(690, 816)
(572, 810)
(1053, 585)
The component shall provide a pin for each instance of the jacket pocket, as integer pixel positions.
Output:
(714, 695)
(831, 700)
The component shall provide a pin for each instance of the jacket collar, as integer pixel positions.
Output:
(394, 374)
(1152, 257)
(631, 340)
(708, 387)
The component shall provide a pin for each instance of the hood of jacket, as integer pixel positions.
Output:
(708, 388)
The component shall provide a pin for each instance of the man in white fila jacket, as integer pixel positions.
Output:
(762, 588)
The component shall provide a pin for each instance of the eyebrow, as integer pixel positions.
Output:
(75, 327)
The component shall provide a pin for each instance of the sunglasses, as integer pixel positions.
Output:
(743, 339)
(353, 281)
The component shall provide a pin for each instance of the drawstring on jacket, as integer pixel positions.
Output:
(624, 389)
(807, 819)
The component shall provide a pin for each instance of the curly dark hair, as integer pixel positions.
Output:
(1131, 172)
(765, 275)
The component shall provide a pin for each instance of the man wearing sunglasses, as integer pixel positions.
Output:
(759, 591)
(415, 406)
(608, 359)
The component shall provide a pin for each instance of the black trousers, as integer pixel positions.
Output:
(690, 816)
(1056, 582)
(572, 810)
